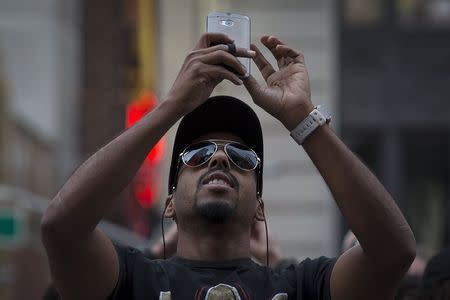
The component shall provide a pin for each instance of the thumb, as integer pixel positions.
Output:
(263, 96)
(253, 87)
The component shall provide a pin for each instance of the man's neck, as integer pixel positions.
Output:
(217, 243)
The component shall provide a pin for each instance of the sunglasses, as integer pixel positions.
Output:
(200, 153)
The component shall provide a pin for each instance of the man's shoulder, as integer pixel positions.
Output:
(132, 258)
(309, 264)
(306, 269)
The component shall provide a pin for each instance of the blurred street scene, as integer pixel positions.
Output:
(74, 74)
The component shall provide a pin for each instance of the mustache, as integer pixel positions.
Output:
(227, 173)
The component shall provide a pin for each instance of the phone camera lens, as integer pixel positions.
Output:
(227, 23)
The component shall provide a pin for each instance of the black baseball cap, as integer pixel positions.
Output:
(219, 114)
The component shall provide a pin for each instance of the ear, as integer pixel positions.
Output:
(260, 210)
(169, 211)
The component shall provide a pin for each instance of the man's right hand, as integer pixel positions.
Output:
(83, 261)
(204, 68)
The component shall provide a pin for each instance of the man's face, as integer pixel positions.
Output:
(217, 191)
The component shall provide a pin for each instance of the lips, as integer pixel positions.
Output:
(218, 178)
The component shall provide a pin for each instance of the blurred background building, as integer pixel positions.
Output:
(74, 74)
(394, 104)
(40, 63)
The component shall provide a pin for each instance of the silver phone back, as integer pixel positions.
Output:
(236, 26)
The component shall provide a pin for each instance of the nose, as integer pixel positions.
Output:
(219, 160)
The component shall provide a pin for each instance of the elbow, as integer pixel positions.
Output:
(49, 224)
(407, 251)
(398, 254)
(411, 251)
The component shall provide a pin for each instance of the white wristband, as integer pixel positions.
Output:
(314, 120)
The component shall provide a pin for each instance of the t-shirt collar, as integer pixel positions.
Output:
(227, 264)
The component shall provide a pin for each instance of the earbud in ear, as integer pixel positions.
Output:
(259, 215)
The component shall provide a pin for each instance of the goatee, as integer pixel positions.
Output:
(215, 213)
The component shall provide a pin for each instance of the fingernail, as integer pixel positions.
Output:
(251, 52)
(240, 82)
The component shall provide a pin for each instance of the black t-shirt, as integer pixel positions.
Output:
(177, 278)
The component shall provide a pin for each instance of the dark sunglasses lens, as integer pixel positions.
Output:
(242, 156)
(197, 154)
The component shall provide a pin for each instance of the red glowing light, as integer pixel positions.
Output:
(145, 185)
(136, 110)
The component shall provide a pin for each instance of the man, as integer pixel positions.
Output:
(215, 190)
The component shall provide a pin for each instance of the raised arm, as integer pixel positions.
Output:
(83, 261)
(387, 246)
(373, 269)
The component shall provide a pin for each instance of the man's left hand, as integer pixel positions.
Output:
(287, 95)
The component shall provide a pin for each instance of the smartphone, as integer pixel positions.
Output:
(236, 26)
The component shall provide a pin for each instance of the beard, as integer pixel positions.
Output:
(214, 212)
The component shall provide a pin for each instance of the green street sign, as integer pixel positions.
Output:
(8, 226)
(11, 228)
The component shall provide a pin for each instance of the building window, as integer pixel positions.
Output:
(362, 13)
(423, 13)
(427, 189)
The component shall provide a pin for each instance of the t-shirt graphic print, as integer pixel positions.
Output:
(219, 292)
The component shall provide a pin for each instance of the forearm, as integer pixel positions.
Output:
(367, 207)
(88, 194)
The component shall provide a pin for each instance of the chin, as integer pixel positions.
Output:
(215, 212)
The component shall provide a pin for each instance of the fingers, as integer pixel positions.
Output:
(282, 53)
(212, 53)
(240, 52)
(221, 57)
(243, 52)
(212, 38)
(262, 63)
(286, 52)
(271, 43)
(220, 73)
